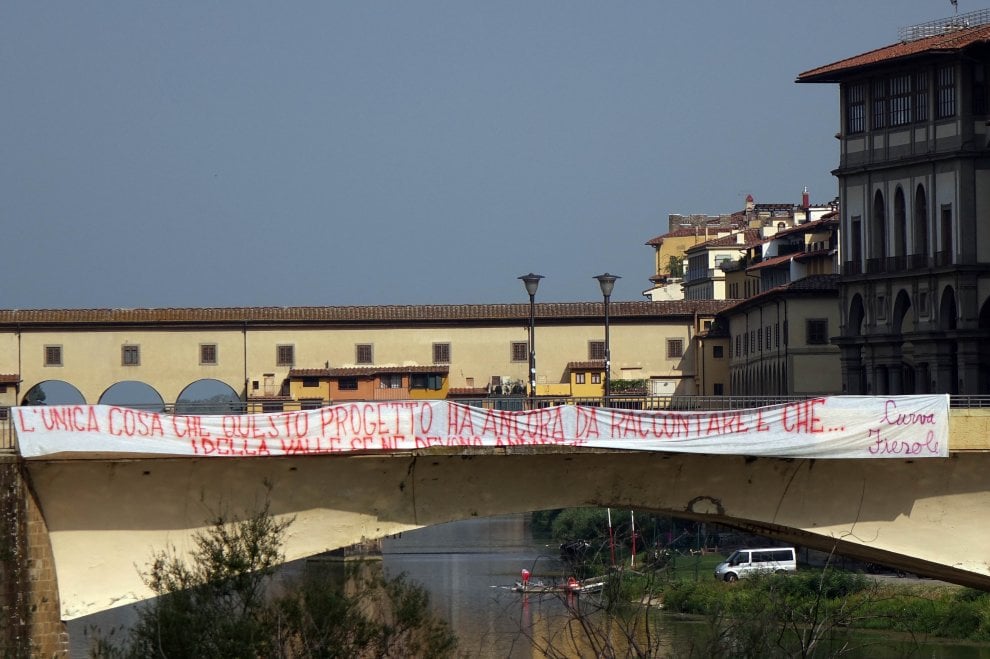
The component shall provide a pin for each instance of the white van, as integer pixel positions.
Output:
(747, 562)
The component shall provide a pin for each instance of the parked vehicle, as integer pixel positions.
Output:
(747, 562)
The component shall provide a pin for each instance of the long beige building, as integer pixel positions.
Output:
(280, 357)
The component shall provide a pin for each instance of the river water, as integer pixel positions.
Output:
(468, 568)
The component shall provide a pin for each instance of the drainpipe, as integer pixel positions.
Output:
(787, 329)
(694, 329)
(247, 384)
(20, 371)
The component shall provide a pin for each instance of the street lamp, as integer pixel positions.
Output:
(532, 282)
(607, 282)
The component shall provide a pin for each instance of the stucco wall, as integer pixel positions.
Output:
(170, 358)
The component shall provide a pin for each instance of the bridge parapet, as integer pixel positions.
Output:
(969, 429)
(969, 416)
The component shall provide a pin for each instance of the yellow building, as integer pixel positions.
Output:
(284, 358)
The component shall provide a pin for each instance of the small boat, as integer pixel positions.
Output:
(572, 585)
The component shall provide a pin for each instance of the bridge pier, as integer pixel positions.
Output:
(30, 619)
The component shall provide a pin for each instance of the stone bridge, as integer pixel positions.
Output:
(97, 521)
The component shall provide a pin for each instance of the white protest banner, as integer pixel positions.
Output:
(826, 427)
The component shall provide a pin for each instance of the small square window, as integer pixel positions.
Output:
(675, 348)
(520, 351)
(53, 355)
(430, 381)
(285, 355)
(817, 331)
(347, 384)
(364, 354)
(579, 378)
(208, 353)
(441, 353)
(596, 378)
(390, 381)
(596, 350)
(718, 389)
(130, 355)
(310, 383)
(717, 352)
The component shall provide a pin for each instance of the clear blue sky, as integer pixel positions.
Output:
(233, 153)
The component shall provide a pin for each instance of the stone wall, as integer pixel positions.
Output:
(30, 621)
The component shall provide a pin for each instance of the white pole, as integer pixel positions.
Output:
(632, 514)
(611, 537)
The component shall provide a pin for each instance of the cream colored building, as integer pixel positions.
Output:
(780, 340)
(272, 356)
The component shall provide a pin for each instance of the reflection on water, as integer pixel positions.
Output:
(469, 567)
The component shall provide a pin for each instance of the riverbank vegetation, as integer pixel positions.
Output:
(225, 601)
(826, 598)
(770, 615)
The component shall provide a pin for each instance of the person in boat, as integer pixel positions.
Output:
(525, 577)
(573, 583)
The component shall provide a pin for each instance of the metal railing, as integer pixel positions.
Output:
(944, 25)
(8, 443)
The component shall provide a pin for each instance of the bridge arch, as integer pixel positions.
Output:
(133, 393)
(889, 511)
(53, 392)
(208, 396)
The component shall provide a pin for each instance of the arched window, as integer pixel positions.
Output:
(878, 234)
(900, 224)
(921, 223)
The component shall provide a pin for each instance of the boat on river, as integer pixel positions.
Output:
(572, 585)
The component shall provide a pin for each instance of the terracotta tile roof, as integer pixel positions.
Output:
(469, 392)
(824, 222)
(586, 365)
(683, 232)
(772, 261)
(690, 232)
(813, 286)
(9, 378)
(948, 43)
(352, 371)
(809, 256)
(366, 315)
(751, 237)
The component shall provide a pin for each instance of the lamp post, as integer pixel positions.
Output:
(607, 283)
(532, 282)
